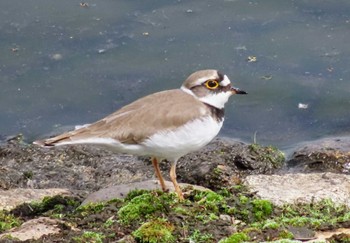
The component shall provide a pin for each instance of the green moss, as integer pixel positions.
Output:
(144, 205)
(200, 237)
(268, 224)
(48, 206)
(89, 236)
(28, 174)
(285, 234)
(109, 222)
(154, 231)
(236, 238)
(314, 215)
(210, 200)
(8, 221)
(261, 209)
(134, 193)
(269, 153)
(91, 208)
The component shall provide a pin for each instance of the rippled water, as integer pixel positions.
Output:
(64, 62)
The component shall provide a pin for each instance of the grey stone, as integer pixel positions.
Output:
(299, 187)
(9, 199)
(120, 191)
(34, 229)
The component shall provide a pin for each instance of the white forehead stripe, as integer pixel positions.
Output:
(188, 91)
(226, 81)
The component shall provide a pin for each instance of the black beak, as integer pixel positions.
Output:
(237, 91)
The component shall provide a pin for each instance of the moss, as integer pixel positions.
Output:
(236, 238)
(144, 205)
(200, 237)
(285, 234)
(109, 222)
(49, 205)
(134, 193)
(315, 215)
(89, 236)
(8, 221)
(208, 199)
(261, 209)
(154, 231)
(28, 174)
(268, 224)
(195, 219)
(269, 153)
(91, 208)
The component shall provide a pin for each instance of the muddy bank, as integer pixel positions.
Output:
(29, 173)
(89, 168)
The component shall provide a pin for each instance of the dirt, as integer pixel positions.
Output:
(86, 169)
(90, 168)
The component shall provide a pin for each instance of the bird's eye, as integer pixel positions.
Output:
(211, 84)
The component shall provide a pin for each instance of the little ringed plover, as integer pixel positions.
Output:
(164, 125)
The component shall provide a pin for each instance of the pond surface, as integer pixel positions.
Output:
(66, 62)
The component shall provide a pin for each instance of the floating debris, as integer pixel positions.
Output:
(330, 69)
(189, 11)
(56, 56)
(303, 106)
(14, 49)
(251, 59)
(266, 77)
(241, 48)
(145, 34)
(84, 5)
(101, 51)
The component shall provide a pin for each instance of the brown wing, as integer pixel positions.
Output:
(139, 120)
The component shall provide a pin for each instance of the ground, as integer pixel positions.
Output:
(228, 212)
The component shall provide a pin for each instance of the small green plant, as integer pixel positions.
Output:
(109, 222)
(145, 206)
(314, 215)
(28, 174)
(8, 221)
(91, 208)
(48, 205)
(235, 238)
(261, 209)
(89, 236)
(154, 231)
(210, 200)
(269, 153)
(199, 237)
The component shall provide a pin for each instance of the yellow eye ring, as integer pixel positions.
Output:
(211, 84)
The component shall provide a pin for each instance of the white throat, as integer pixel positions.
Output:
(217, 100)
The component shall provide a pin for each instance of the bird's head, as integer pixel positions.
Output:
(210, 87)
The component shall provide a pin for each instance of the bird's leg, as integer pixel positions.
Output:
(159, 174)
(173, 179)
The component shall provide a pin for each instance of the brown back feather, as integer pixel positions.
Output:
(139, 120)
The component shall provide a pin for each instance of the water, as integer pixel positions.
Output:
(63, 64)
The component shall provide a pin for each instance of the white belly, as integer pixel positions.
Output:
(192, 136)
(170, 145)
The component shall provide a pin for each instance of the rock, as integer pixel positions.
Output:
(325, 236)
(121, 191)
(34, 229)
(224, 162)
(127, 239)
(299, 187)
(74, 167)
(89, 168)
(12, 198)
(324, 155)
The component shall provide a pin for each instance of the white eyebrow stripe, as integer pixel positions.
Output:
(226, 81)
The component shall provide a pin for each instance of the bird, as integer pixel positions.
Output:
(165, 125)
